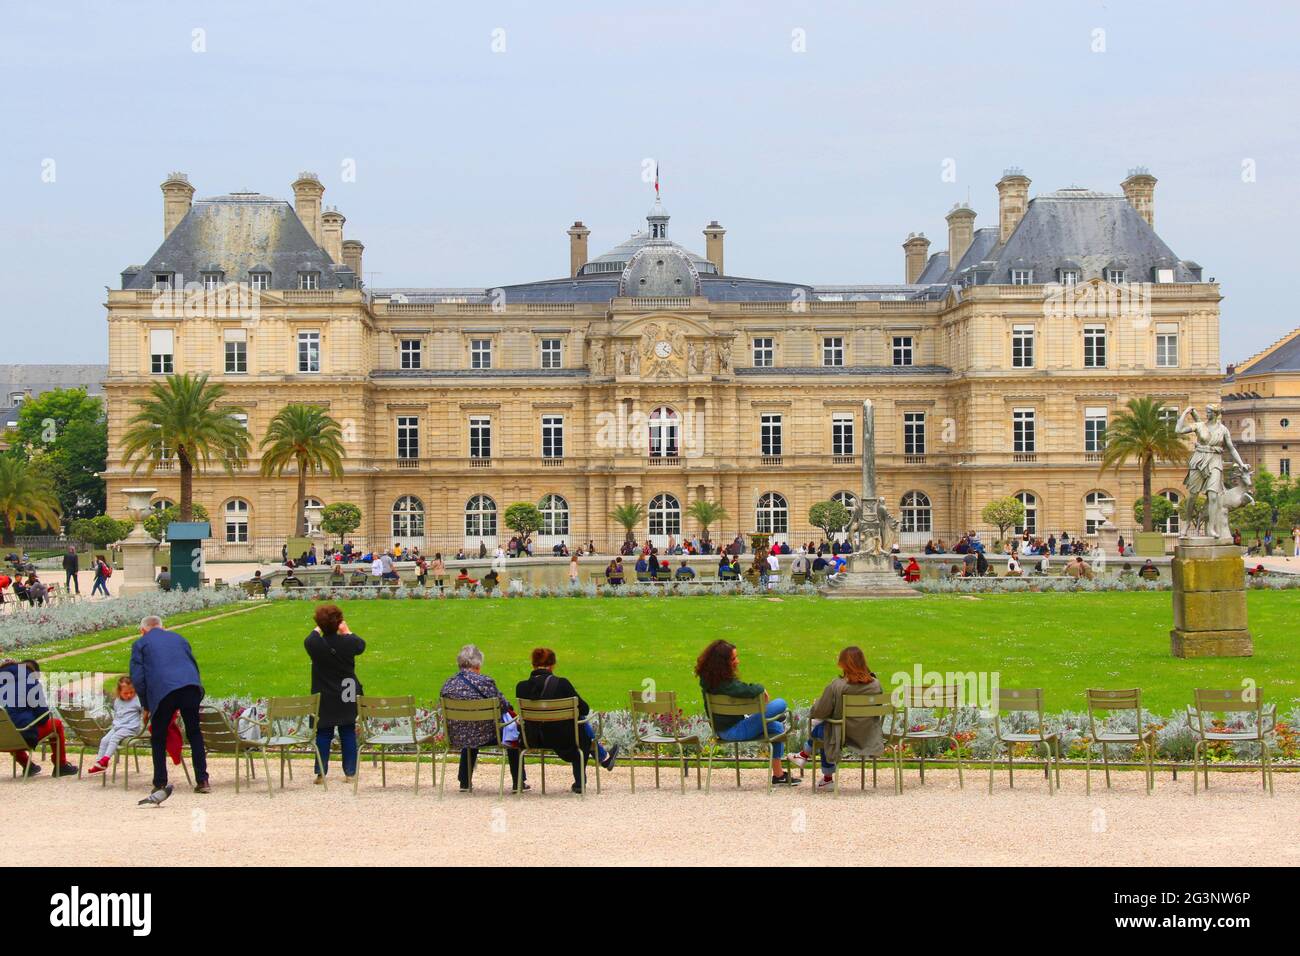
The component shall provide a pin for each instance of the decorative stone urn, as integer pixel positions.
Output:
(138, 548)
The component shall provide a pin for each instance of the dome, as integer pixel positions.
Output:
(659, 268)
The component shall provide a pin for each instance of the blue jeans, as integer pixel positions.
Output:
(819, 732)
(348, 743)
(751, 728)
(589, 737)
(100, 585)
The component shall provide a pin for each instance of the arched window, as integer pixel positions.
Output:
(849, 500)
(664, 429)
(236, 521)
(1030, 522)
(160, 504)
(916, 514)
(555, 515)
(310, 502)
(665, 516)
(480, 517)
(773, 514)
(1094, 510)
(1172, 526)
(408, 517)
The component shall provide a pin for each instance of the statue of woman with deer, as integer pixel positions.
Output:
(1205, 470)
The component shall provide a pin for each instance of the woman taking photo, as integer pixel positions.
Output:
(860, 732)
(716, 668)
(333, 650)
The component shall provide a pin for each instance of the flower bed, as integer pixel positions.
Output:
(519, 589)
(1031, 583)
(28, 625)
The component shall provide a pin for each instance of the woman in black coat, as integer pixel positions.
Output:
(333, 650)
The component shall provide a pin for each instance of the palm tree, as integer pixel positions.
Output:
(25, 493)
(707, 513)
(629, 516)
(302, 435)
(1143, 430)
(181, 416)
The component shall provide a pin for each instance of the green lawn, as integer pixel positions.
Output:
(1061, 642)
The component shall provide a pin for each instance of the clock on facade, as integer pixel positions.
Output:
(663, 349)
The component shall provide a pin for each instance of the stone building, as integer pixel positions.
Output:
(653, 374)
(1261, 405)
(21, 383)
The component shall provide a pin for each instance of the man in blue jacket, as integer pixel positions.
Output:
(167, 679)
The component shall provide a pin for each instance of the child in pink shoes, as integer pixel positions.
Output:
(127, 723)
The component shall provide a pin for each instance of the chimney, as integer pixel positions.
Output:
(578, 234)
(331, 232)
(916, 250)
(178, 194)
(961, 229)
(352, 250)
(307, 192)
(713, 234)
(1013, 199)
(1140, 190)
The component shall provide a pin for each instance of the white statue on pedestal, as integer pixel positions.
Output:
(1205, 470)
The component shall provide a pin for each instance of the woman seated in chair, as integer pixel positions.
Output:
(716, 668)
(470, 683)
(543, 684)
(23, 699)
(862, 733)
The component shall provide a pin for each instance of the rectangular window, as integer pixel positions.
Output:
(236, 345)
(237, 528)
(480, 436)
(408, 436)
(552, 356)
(1094, 346)
(1094, 429)
(833, 351)
(764, 352)
(259, 280)
(769, 435)
(1116, 276)
(1022, 431)
(552, 436)
(410, 351)
(1069, 276)
(914, 433)
(902, 350)
(1022, 277)
(309, 351)
(160, 351)
(211, 281)
(1284, 467)
(480, 353)
(309, 281)
(162, 281)
(842, 433)
(1167, 345)
(1022, 346)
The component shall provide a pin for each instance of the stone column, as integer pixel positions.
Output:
(1209, 580)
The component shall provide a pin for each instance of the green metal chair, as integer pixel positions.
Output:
(856, 706)
(87, 732)
(486, 710)
(667, 732)
(942, 725)
(402, 731)
(720, 705)
(290, 722)
(220, 736)
(1024, 701)
(1112, 702)
(561, 710)
(1201, 715)
(12, 742)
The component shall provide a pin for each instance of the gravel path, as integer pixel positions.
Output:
(76, 822)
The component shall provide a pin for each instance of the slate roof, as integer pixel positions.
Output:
(240, 233)
(34, 380)
(1283, 358)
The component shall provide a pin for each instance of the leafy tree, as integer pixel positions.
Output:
(1143, 430)
(1164, 510)
(305, 436)
(101, 530)
(1004, 513)
(181, 417)
(340, 518)
(523, 518)
(156, 522)
(69, 430)
(630, 517)
(830, 516)
(1254, 519)
(707, 513)
(25, 495)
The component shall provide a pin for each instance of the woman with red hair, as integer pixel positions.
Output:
(860, 732)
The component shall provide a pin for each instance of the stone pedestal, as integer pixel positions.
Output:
(868, 575)
(1209, 600)
(138, 564)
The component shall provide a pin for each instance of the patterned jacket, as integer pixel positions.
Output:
(467, 685)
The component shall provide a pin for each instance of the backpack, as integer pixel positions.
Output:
(108, 569)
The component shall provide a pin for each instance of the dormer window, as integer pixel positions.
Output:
(1022, 276)
(212, 281)
(259, 280)
(309, 281)
(162, 281)
(1067, 276)
(1116, 276)
(1164, 275)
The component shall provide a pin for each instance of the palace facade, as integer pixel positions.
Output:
(652, 374)
(1261, 405)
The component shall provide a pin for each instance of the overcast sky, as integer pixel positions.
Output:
(816, 133)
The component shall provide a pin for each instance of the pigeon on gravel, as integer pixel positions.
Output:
(157, 797)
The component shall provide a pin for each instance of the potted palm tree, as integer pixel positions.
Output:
(1144, 431)
(706, 514)
(630, 517)
(307, 437)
